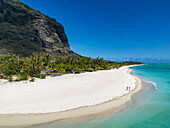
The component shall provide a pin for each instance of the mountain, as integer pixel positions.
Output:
(24, 30)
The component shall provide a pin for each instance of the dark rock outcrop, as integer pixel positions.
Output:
(24, 30)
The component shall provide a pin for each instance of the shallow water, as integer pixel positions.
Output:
(150, 108)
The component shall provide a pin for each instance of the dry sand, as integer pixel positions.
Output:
(73, 95)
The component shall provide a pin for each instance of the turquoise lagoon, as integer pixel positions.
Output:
(150, 108)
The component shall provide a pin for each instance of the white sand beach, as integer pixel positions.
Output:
(52, 98)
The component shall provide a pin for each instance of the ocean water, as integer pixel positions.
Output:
(150, 108)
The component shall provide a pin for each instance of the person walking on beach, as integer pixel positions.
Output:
(127, 88)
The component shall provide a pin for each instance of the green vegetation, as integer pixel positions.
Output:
(39, 65)
(32, 80)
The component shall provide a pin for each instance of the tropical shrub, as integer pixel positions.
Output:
(42, 76)
(32, 80)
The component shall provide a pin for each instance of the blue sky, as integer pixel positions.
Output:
(112, 28)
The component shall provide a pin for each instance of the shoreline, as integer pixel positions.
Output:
(23, 120)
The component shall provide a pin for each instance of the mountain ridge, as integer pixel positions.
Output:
(25, 30)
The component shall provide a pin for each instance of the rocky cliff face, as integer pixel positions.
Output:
(24, 30)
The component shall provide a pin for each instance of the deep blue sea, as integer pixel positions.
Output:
(150, 108)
